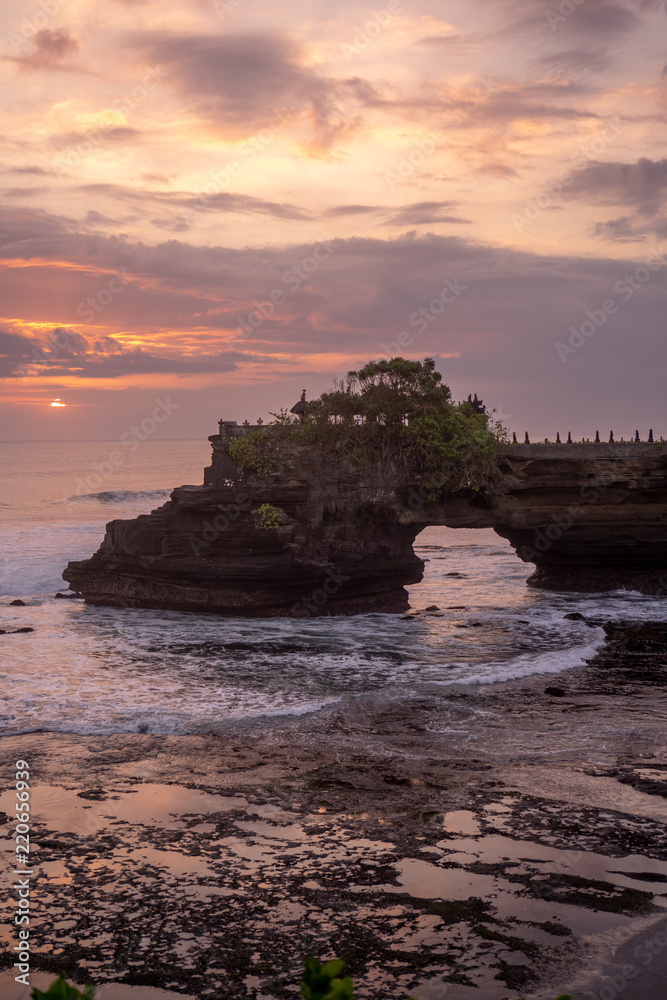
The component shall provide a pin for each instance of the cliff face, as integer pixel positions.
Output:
(590, 517)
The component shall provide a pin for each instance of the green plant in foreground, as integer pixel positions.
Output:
(61, 990)
(268, 516)
(319, 982)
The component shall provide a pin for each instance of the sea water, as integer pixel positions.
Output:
(102, 670)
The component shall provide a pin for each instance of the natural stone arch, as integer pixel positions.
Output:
(589, 517)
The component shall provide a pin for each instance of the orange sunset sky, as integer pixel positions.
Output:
(224, 202)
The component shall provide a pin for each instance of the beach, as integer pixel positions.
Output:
(487, 845)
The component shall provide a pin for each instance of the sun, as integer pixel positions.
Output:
(58, 402)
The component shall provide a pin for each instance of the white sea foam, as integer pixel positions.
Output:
(527, 664)
(119, 496)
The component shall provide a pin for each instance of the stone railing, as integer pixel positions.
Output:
(587, 441)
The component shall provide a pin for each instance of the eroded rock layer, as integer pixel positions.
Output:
(590, 517)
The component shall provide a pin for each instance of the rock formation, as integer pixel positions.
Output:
(590, 517)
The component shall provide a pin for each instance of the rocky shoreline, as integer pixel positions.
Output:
(486, 842)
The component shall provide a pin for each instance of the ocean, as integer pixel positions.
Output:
(94, 670)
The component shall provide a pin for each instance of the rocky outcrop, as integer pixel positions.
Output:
(590, 517)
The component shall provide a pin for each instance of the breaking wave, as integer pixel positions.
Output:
(119, 496)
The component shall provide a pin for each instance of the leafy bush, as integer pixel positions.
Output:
(268, 516)
(61, 990)
(321, 982)
(249, 453)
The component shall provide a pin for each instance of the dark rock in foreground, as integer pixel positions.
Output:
(590, 517)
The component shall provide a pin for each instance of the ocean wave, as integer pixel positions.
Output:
(555, 661)
(119, 496)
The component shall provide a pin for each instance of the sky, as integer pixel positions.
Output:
(210, 205)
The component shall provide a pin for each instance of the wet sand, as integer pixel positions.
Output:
(489, 843)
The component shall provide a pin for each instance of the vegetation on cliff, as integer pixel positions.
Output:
(394, 412)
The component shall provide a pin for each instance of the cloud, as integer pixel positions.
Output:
(25, 192)
(241, 84)
(187, 305)
(51, 47)
(642, 184)
(575, 62)
(64, 352)
(342, 210)
(593, 18)
(631, 229)
(186, 205)
(40, 171)
(423, 213)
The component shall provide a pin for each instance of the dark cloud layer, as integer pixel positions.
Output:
(66, 352)
(642, 184)
(509, 310)
(244, 83)
(51, 47)
(185, 206)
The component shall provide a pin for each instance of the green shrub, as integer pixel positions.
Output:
(321, 982)
(250, 453)
(268, 516)
(61, 990)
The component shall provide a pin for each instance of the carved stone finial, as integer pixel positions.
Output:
(558, 441)
(597, 437)
(514, 440)
(569, 437)
(650, 437)
(527, 439)
(637, 436)
(259, 421)
(611, 437)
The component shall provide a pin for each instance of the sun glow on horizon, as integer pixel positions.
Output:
(58, 402)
